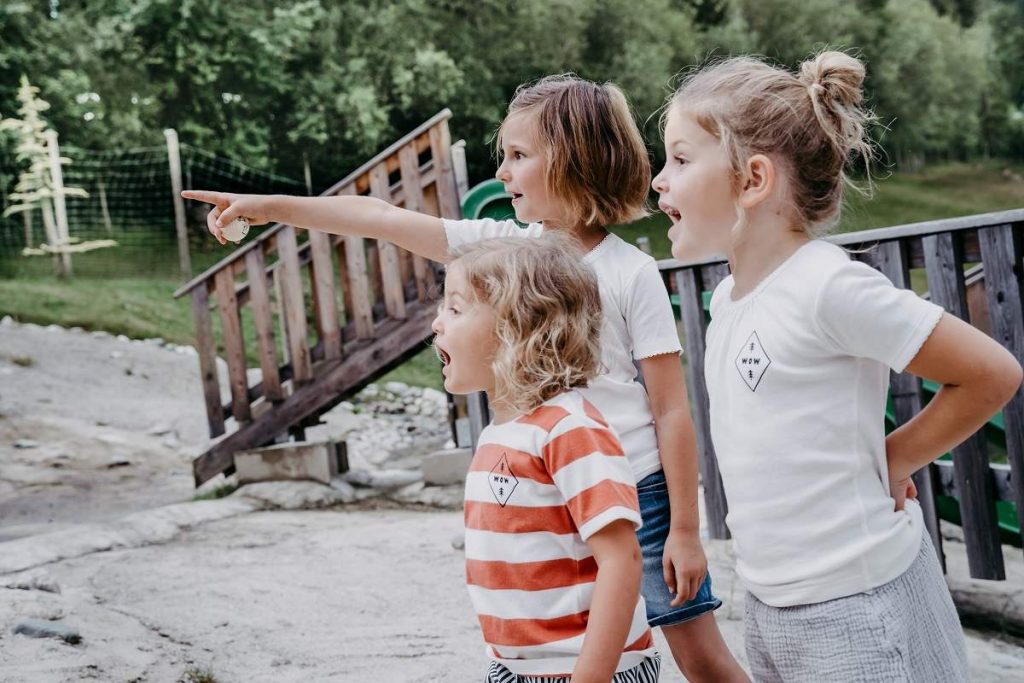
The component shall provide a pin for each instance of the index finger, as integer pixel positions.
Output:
(205, 196)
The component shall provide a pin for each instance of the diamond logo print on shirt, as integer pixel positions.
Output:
(752, 361)
(502, 480)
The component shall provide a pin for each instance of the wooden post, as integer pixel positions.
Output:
(52, 235)
(27, 215)
(944, 261)
(691, 308)
(59, 208)
(906, 397)
(309, 176)
(459, 166)
(1001, 253)
(174, 160)
(103, 204)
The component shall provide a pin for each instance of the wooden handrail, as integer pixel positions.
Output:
(864, 237)
(391, 150)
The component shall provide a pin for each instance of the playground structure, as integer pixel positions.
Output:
(370, 305)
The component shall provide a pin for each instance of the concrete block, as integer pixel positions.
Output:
(449, 466)
(316, 461)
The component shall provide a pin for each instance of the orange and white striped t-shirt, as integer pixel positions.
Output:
(537, 489)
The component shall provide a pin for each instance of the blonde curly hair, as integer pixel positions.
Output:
(548, 312)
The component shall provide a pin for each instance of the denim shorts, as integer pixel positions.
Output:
(654, 509)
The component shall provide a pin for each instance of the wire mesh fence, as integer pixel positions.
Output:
(129, 200)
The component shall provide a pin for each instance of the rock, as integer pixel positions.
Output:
(54, 328)
(116, 354)
(123, 338)
(118, 461)
(26, 444)
(156, 341)
(36, 582)
(347, 406)
(397, 388)
(442, 468)
(159, 429)
(76, 330)
(292, 495)
(344, 489)
(383, 479)
(459, 541)
(101, 334)
(37, 628)
(7, 321)
(447, 497)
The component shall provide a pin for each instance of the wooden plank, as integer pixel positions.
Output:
(905, 388)
(694, 326)
(479, 416)
(207, 352)
(1001, 253)
(359, 286)
(944, 266)
(294, 303)
(234, 345)
(411, 182)
(390, 268)
(400, 339)
(341, 256)
(324, 298)
(263, 321)
(447, 187)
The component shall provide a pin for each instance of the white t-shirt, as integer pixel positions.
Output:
(638, 323)
(797, 375)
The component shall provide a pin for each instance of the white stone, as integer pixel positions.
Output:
(7, 321)
(449, 466)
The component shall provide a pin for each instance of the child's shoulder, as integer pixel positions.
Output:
(564, 411)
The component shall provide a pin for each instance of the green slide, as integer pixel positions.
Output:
(488, 200)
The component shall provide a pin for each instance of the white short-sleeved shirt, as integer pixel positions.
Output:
(797, 374)
(638, 323)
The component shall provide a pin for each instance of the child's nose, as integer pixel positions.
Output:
(659, 184)
(502, 173)
(435, 324)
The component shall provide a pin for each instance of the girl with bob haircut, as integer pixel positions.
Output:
(574, 162)
(553, 564)
(843, 585)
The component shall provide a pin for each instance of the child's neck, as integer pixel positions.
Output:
(501, 412)
(761, 247)
(589, 237)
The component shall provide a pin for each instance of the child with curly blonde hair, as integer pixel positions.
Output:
(553, 564)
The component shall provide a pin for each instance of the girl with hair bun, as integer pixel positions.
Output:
(843, 585)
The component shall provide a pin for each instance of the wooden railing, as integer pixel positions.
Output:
(368, 301)
(942, 249)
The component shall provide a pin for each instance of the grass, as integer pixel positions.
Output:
(142, 307)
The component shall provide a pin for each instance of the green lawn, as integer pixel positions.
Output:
(141, 307)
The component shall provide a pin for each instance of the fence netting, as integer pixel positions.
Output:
(130, 201)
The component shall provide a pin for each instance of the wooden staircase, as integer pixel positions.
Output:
(344, 310)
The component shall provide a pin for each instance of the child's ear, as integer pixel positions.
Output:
(758, 181)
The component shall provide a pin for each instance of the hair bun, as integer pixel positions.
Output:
(837, 75)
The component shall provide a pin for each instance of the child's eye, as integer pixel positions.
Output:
(682, 160)
(518, 155)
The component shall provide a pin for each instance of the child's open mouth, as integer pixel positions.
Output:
(670, 211)
(442, 356)
(516, 196)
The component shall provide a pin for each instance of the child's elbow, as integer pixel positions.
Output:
(1005, 376)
